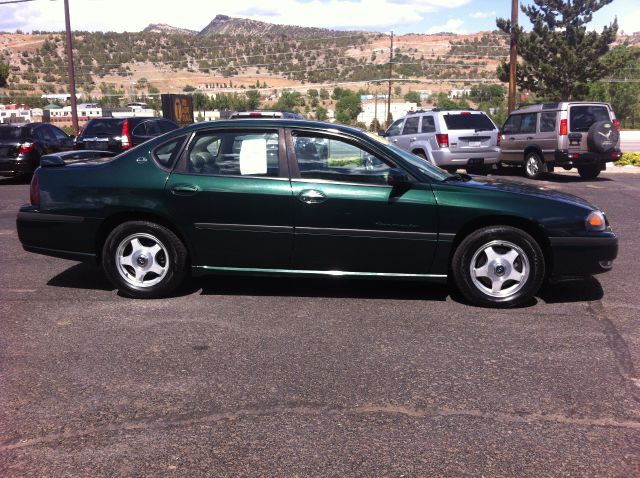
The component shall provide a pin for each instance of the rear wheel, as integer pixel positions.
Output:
(589, 172)
(534, 166)
(498, 266)
(144, 260)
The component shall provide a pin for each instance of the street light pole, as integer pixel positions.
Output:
(513, 59)
(70, 69)
(389, 116)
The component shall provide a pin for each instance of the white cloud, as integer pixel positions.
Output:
(452, 26)
(483, 14)
(127, 15)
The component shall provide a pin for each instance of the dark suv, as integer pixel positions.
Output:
(21, 146)
(120, 134)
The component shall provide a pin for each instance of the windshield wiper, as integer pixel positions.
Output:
(483, 129)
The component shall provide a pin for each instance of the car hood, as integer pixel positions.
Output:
(514, 187)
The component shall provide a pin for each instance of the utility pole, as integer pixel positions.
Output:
(513, 60)
(389, 116)
(70, 70)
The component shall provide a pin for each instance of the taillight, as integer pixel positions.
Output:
(563, 127)
(126, 137)
(465, 113)
(616, 123)
(499, 137)
(443, 140)
(25, 148)
(34, 191)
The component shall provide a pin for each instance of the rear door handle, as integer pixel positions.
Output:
(529, 138)
(414, 139)
(312, 196)
(185, 189)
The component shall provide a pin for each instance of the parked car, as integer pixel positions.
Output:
(120, 134)
(265, 114)
(292, 197)
(449, 139)
(22, 145)
(568, 134)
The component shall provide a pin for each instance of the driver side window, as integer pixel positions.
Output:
(336, 160)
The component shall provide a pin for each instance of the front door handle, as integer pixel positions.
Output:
(529, 138)
(185, 189)
(414, 139)
(312, 196)
(394, 140)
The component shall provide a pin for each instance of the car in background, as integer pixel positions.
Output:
(449, 139)
(265, 114)
(303, 198)
(119, 134)
(22, 145)
(579, 134)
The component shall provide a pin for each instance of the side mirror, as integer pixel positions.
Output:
(398, 179)
(382, 133)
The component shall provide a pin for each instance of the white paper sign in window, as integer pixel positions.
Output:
(253, 156)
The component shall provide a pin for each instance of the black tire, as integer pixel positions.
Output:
(160, 260)
(602, 137)
(503, 242)
(589, 172)
(534, 166)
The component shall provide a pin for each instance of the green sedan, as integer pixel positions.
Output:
(291, 197)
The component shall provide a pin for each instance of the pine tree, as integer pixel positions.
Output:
(560, 57)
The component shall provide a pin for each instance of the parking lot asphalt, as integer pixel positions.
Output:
(278, 377)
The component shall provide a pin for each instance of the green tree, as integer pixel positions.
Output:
(4, 73)
(253, 99)
(412, 97)
(560, 57)
(624, 91)
(324, 94)
(397, 91)
(289, 101)
(321, 113)
(313, 93)
(189, 89)
(491, 94)
(348, 107)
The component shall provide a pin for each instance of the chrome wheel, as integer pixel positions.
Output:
(533, 166)
(499, 269)
(142, 260)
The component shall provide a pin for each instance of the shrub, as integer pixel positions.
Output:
(629, 159)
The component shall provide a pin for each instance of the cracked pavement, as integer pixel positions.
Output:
(281, 377)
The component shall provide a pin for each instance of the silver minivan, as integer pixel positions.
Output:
(450, 139)
(568, 134)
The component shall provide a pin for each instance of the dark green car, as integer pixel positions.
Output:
(305, 198)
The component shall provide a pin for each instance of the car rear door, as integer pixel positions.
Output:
(347, 217)
(547, 136)
(63, 140)
(231, 194)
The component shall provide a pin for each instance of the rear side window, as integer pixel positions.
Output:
(468, 121)
(548, 122)
(428, 124)
(582, 117)
(167, 153)
(411, 125)
(10, 133)
(528, 124)
(104, 127)
(166, 126)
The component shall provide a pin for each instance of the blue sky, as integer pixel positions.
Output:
(402, 16)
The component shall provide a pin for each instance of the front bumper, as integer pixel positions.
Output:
(583, 256)
(565, 157)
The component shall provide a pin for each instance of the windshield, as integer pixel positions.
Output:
(422, 164)
(582, 117)
(468, 121)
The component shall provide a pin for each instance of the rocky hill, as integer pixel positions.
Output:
(164, 28)
(224, 25)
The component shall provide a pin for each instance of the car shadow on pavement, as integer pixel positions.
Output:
(81, 276)
(515, 174)
(584, 290)
(18, 180)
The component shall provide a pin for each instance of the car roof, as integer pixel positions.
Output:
(275, 123)
(554, 106)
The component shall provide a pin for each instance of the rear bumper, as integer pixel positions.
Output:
(446, 157)
(10, 167)
(583, 256)
(563, 157)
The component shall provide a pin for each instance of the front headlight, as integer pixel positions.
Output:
(596, 221)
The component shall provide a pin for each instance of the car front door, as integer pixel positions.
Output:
(232, 195)
(409, 133)
(347, 218)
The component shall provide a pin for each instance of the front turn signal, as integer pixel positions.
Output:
(596, 222)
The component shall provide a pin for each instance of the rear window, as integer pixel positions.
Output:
(469, 121)
(9, 133)
(581, 118)
(104, 127)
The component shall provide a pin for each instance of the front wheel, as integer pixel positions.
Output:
(589, 172)
(498, 266)
(144, 260)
